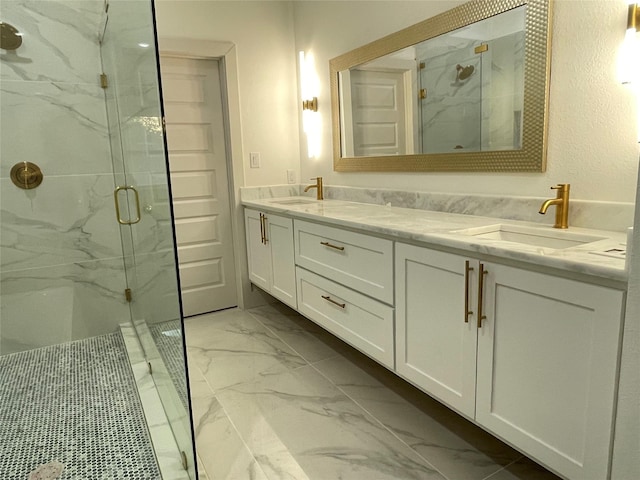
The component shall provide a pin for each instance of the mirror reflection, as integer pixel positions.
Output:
(460, 90)
(434, 97)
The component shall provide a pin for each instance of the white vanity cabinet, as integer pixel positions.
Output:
(539, 368)
(345, 284)
(270, 254)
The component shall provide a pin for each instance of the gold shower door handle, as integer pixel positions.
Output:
(116, 199)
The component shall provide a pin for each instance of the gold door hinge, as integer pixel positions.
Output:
(104, 80)
(127, 294)
(184, 460)
(422, 65)
(422, 94)
(481, 48)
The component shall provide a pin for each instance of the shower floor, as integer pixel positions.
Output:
(77, 404)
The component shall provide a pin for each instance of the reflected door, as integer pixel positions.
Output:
(379, 112)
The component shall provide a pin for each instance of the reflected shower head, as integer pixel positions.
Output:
(464, 72)
(10, 38)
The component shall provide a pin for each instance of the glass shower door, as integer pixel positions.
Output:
(142, 201)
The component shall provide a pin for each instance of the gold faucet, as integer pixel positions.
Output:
(318, 185)
(562, 205)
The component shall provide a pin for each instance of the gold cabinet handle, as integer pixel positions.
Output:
(261, 230)
(327, 244)
(116, 199)
(467, 312)
(481, 275)
(329, 299)
(264, 229)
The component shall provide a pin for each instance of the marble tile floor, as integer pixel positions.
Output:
(276, 397)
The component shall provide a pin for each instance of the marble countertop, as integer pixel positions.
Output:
(443, 229)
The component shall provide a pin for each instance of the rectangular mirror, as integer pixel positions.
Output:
(466, 90)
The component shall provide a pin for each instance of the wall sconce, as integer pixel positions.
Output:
(310, 104)
(630, 51)
(629, 59)
(309, 89)
(633, 20)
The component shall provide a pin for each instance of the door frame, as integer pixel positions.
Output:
(225, 53)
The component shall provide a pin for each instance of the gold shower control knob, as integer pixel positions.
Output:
(10, 37)
(26, 175)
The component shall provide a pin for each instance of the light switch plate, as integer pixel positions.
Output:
(254, 159)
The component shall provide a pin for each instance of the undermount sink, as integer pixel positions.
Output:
(534, 236)
(293, 201)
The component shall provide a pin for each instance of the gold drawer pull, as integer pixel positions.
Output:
(329, 299)
(261, 230)
(481, 315)
(467, 312)
(327, 244)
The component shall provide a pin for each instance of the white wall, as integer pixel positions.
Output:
(263, 35)
(591, 117)
(591, 120)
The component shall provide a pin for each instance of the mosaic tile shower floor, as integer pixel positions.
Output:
(77, 404)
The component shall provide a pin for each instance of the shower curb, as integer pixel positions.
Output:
(164, 444)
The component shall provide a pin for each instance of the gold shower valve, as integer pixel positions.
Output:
(26, 175)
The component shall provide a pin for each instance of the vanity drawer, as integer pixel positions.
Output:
(356, 260)
(360, 321)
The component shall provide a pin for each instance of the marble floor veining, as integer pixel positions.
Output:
(276, 397)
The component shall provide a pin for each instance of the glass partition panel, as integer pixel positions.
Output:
(137, 141)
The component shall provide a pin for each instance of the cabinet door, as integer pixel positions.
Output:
(279, 233)
(435, 339)
(258, 253)
(547, 366)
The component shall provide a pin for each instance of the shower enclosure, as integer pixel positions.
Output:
(89, 293)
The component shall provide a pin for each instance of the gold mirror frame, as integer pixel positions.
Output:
(530, 158)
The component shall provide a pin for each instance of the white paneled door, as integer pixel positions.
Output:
(197, 158)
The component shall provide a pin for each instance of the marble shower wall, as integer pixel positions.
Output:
(60, 242)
